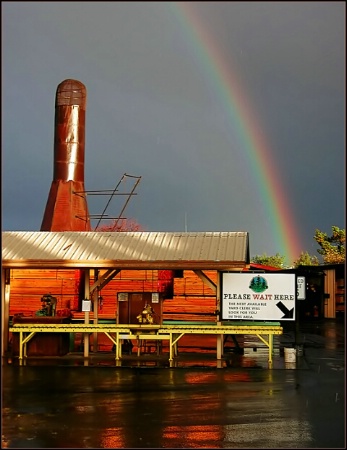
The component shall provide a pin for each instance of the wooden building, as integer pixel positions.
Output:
(121, 272)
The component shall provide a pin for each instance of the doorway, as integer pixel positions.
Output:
(131, 304)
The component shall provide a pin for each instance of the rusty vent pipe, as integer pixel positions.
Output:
(66, 208)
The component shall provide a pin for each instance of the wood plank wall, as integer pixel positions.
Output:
(192, 299)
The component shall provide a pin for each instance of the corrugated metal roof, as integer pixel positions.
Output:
(125, 250)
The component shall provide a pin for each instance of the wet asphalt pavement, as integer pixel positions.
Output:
(244, 404)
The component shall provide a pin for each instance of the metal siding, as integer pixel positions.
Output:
(129, 247)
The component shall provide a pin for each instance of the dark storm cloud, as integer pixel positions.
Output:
(152, 110)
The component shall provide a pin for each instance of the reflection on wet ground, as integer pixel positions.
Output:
(251, 357)
(195, 405)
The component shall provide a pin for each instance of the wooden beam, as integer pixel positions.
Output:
(104, 279)
(206, 280)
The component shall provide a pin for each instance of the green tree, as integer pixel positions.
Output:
(332, 248)
(274, 261)
(306, 259)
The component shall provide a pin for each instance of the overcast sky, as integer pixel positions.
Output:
(175, 91)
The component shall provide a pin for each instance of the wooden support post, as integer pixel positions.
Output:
(220, 337)
(5, 308)
(171, 348)
(96, 313)
(219, 346)
(86, 313)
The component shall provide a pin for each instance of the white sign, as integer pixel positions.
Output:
(155, 297)
(122, 296)
(86, 305)
(301, 288)
(251, 296)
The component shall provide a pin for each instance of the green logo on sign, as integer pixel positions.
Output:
(258, 284)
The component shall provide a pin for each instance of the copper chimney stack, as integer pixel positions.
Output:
(66, 208)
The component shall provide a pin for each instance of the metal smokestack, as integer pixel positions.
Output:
(66, 208)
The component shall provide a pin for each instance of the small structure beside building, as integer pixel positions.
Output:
(324, 291)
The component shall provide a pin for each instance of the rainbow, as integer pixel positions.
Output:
(227, 86)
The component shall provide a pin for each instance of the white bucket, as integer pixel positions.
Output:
(289, 355)
(291, 365)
